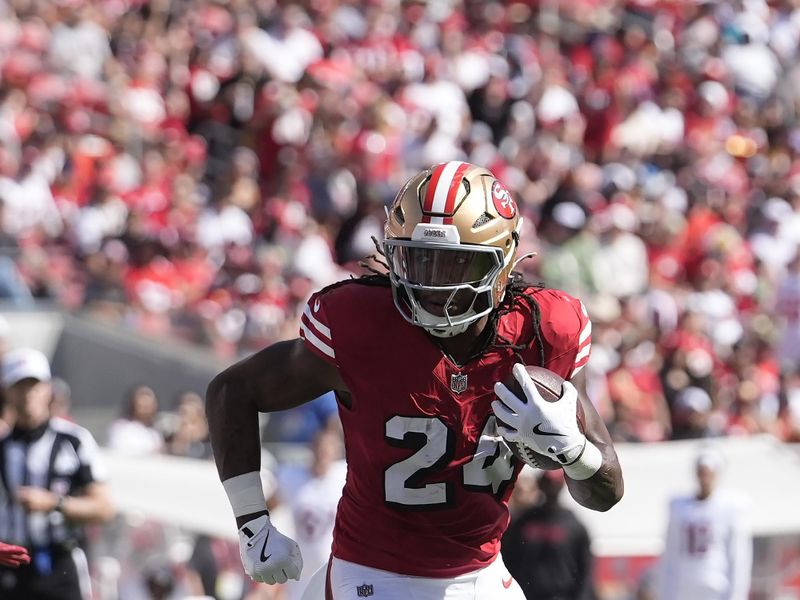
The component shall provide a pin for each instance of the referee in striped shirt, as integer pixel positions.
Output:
(51, 482)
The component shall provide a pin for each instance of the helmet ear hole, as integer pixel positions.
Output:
(482, 220)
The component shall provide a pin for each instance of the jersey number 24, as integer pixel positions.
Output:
(489, 470)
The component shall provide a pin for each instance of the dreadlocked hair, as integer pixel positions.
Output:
(515, 293)
(380, 258)
(372, 276)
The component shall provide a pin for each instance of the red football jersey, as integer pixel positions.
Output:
(428, 477)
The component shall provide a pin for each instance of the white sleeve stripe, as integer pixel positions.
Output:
(583, 353)
(309, 327)
(312, 339)
(322, 329)
(587, 331)
(579, 364)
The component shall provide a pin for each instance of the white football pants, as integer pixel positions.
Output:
(349, 581)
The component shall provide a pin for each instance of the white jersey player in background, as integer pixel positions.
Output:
(708, 552)
(313, 495)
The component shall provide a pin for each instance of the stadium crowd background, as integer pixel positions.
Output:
(197, 169)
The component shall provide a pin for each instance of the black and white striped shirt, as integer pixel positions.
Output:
(60, 456)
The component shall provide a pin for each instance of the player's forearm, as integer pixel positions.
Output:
(604, 489)
(233, 426)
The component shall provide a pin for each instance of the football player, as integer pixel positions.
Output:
(708, 548)
(414, 357)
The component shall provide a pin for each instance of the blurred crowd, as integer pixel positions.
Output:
(136, 558)
(197, 169)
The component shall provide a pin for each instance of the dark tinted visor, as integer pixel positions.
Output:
(439, 266)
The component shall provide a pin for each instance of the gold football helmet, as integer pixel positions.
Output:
(450, 239)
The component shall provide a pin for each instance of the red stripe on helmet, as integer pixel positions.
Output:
(455, 183)
(427, 206)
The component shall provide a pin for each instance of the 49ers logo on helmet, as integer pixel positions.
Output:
(503, 202)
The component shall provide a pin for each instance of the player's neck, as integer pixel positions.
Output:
(460, 348)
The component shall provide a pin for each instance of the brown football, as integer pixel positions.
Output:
(549, 386)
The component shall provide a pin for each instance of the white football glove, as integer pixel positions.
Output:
(549, 428)
(268, 556)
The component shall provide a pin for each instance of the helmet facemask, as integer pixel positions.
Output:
(443, 287)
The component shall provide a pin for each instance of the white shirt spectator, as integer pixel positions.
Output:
(144, 104)
(754, 67)
(134, 438)
(662, 309)
(556, 103)
(445, 101)
(81, 49)
(620, 266)
(649, 129)
(774, 251)
(230, 224)
(96, 222)
(313, 259)
(785, 35)
(28, 200)
(125, 173)
(287, 57)
(724, 324)
(777, 245)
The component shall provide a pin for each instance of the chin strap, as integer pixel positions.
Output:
(447, 332)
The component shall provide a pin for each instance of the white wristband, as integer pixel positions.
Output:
(245, 493)
(587, 464)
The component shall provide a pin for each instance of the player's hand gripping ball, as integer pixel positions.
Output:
(540, 417)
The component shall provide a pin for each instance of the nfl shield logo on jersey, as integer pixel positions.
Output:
(458, 382)
(364, 591)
